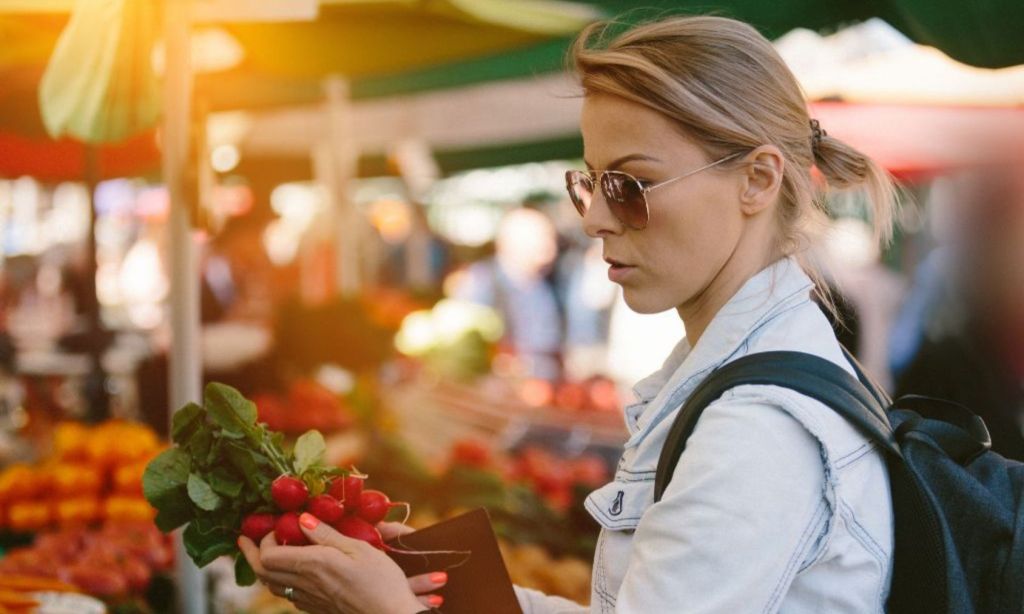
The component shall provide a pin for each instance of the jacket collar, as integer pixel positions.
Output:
(768, 293)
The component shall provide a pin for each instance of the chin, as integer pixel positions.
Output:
(645, 302)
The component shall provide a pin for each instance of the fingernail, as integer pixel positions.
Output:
(435, 601)
(309, 521)
(439, 577)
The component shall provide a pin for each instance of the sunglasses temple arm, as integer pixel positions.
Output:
(693, 172)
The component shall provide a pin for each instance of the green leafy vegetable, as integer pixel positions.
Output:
(165, 475)
(235, 414)
(221, 470)
(309, 451)
(244, 574)
(202, 495)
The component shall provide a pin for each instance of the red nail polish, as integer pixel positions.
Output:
(309, 521)
(436, 601)
(439, 577)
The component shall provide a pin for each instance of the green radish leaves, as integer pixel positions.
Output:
(202, 495)
(235, 414)
(244, 574)
(221, 469)
(309, 451)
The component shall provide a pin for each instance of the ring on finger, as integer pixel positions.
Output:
(289, 593)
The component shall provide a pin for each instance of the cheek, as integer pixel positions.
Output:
(687, 245)
(695, 233)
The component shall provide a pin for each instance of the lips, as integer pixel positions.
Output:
(616, 263)
(618, 271)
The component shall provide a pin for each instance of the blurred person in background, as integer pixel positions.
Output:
(519, 282)
(930, 284)
(589, 297)
(972, 351)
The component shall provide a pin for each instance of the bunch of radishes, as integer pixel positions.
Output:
(346, 506)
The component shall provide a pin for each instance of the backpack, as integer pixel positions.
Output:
(958, 507)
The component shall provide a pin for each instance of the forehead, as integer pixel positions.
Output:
(613, 127)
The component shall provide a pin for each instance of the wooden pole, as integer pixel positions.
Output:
(343, 156)
(185, 359)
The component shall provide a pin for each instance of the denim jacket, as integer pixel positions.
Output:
(777, 504)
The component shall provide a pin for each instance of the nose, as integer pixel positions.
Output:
(598, 220)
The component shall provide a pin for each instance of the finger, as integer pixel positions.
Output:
(431, 601)
(281, 579)
(298, 598)
(252, 554)
(324, 534)
(269, 541)
(279, 564)
(286, 562)
(276, 589)
(391, 530)
(308, 605)
(427, 582)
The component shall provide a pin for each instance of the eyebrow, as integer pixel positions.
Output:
(620, 161)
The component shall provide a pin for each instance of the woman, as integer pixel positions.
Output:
(700, 148)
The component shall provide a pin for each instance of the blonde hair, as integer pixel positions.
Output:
(726, 87)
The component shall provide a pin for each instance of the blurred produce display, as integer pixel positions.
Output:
(531, 566)
(533, 496)
(454, 339)
(117, 563)
(595, 394)
(93, 474)
(307, 405)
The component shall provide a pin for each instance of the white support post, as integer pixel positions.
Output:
(343, 159)
(185, 360)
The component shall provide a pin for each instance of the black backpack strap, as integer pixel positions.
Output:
(860, 403)
(919, 584)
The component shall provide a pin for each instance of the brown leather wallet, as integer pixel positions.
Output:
(477, 578)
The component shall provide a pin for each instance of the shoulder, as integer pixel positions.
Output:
(751, 426)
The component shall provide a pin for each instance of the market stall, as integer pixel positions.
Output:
(446, 425)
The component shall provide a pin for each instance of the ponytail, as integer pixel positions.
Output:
(845, 168)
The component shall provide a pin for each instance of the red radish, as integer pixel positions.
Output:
(257, 526)
(287, 530)
(374, 506)
(357, 528)
(347, 490)
(326, 508)
(289, 493)
(336, 488)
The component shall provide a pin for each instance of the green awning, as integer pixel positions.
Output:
(395, 47)
(99, 85)
(987, 33)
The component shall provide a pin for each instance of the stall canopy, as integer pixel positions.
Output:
(91, 76)
(392, 47)
(884, 79)
(986, 34)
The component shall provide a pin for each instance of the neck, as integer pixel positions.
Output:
(741, 265)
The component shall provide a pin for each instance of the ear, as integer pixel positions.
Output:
(762, 179)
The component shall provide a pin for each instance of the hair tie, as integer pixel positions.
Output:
(816, 134)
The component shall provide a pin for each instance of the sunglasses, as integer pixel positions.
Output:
(625, 194)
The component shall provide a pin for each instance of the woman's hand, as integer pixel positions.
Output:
(339, 574)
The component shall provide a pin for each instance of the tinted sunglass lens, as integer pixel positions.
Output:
(581, 190)
(625, 199)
